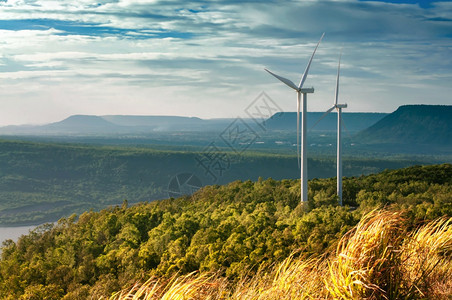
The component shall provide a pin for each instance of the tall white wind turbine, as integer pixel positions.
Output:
(302, 159)
(339, 108)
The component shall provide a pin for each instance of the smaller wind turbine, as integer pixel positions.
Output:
(339, 108)
(302, 159)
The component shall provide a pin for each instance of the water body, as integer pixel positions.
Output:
(14, 233)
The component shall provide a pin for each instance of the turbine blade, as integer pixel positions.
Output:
(323, 116)
(298, 130)
(337, 79)
(305, 74)
(343, 123)
(284, 80)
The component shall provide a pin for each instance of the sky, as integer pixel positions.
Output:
(207, 58)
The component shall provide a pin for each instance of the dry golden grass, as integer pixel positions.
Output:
(191, 286)
(378, 259)
(366, 260)
(427, 262)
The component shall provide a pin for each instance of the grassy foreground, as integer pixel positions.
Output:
(380, 258)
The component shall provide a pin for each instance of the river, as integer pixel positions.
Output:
(14, 233)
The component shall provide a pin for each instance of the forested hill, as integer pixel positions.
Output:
(42, 182)
(412, 124)
(230, 229)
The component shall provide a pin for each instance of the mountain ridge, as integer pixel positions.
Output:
(412, 124)
(354, 121)
(117, 124)
(87, 123)
(129, 124)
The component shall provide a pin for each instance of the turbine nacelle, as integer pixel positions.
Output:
(341, 105)
(306, 90)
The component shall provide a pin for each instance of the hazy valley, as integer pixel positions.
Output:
(50, 176)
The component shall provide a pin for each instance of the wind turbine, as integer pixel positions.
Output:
(339, 108)
(302, 159)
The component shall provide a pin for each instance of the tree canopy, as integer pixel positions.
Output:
(233, 228)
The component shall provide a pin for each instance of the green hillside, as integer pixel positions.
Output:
(232, 228)
(41, 182)
(429, 125)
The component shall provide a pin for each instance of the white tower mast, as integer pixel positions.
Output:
(302, 158)
(339, 108)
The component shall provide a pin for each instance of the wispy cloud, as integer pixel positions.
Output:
(206, 58)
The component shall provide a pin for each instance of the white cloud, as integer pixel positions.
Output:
(211, 55)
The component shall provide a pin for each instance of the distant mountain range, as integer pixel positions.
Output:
(353, 121)
(408, 125)
(412, 124)
(118, 124)
(127, 124)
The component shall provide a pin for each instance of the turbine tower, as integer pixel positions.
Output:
(339, 108)
(302, 159)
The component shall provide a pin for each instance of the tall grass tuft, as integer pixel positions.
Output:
(379, 259)
(191, 286)
(427, 262)
(367, 258)
(292, 279)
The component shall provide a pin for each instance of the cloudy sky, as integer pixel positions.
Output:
(207, 58)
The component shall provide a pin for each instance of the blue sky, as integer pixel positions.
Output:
(207, 58)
